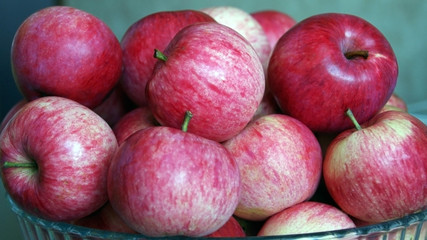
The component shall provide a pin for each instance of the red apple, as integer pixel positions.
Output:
(378, 171)
(138, 44)
(105, 218)
(328, 63)
(242, 22)
(164, 181)
(135, 120)
(280, 164)
(115, 106)
(306, 217)
(212, 71)
(66, 52)
(54, 160)
(230, 229)
(274, 23)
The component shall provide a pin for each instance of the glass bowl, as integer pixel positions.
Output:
(412, 227)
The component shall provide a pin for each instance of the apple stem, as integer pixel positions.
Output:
(353, 119)
(358, 53)
(20, 165)
(159, 55)
(187, 118)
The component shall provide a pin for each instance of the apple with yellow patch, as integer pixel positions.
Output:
(280, 163)
(378, 171)
(306, 217)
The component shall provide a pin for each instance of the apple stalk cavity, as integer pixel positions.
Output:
(356, 54)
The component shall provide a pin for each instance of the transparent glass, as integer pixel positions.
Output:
(413, 227)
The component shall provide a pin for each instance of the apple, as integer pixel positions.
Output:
(67, 52)
(280, 164)
(231, 229)
(242, 22)
(14, 109)
(142, 37)
(55, 155)
(104, 218)
(378, 170)
(306, 217)
(212, 71)
(165, 181)
(115, 106)
(131, 122)
(274, 23)
(328, 63)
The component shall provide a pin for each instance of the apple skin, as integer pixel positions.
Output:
(274, 23)
(63, 51)
(306, 217)
(105, 219)
(242, 22)
(313, 81)
(167, 182)
(141, 38)
(71, 148)
(230, 229)
(280, 164)
(379, 173)
(213, 72)
(131, 122)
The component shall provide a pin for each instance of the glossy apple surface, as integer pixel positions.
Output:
(138, 43)
(164, 181)
(306, 217)
(274, 23)
(212, 71)
(63, 51)
(379, 172)
(54, 160)
(280, 164)
(328, 63)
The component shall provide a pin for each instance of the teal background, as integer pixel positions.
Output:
(402, 22)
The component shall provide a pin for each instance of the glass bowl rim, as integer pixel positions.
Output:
(63, 227)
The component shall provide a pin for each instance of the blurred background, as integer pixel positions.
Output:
(402, 22)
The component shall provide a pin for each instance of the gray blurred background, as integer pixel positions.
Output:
(402, 22)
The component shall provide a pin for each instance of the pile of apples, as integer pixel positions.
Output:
(210, 122)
